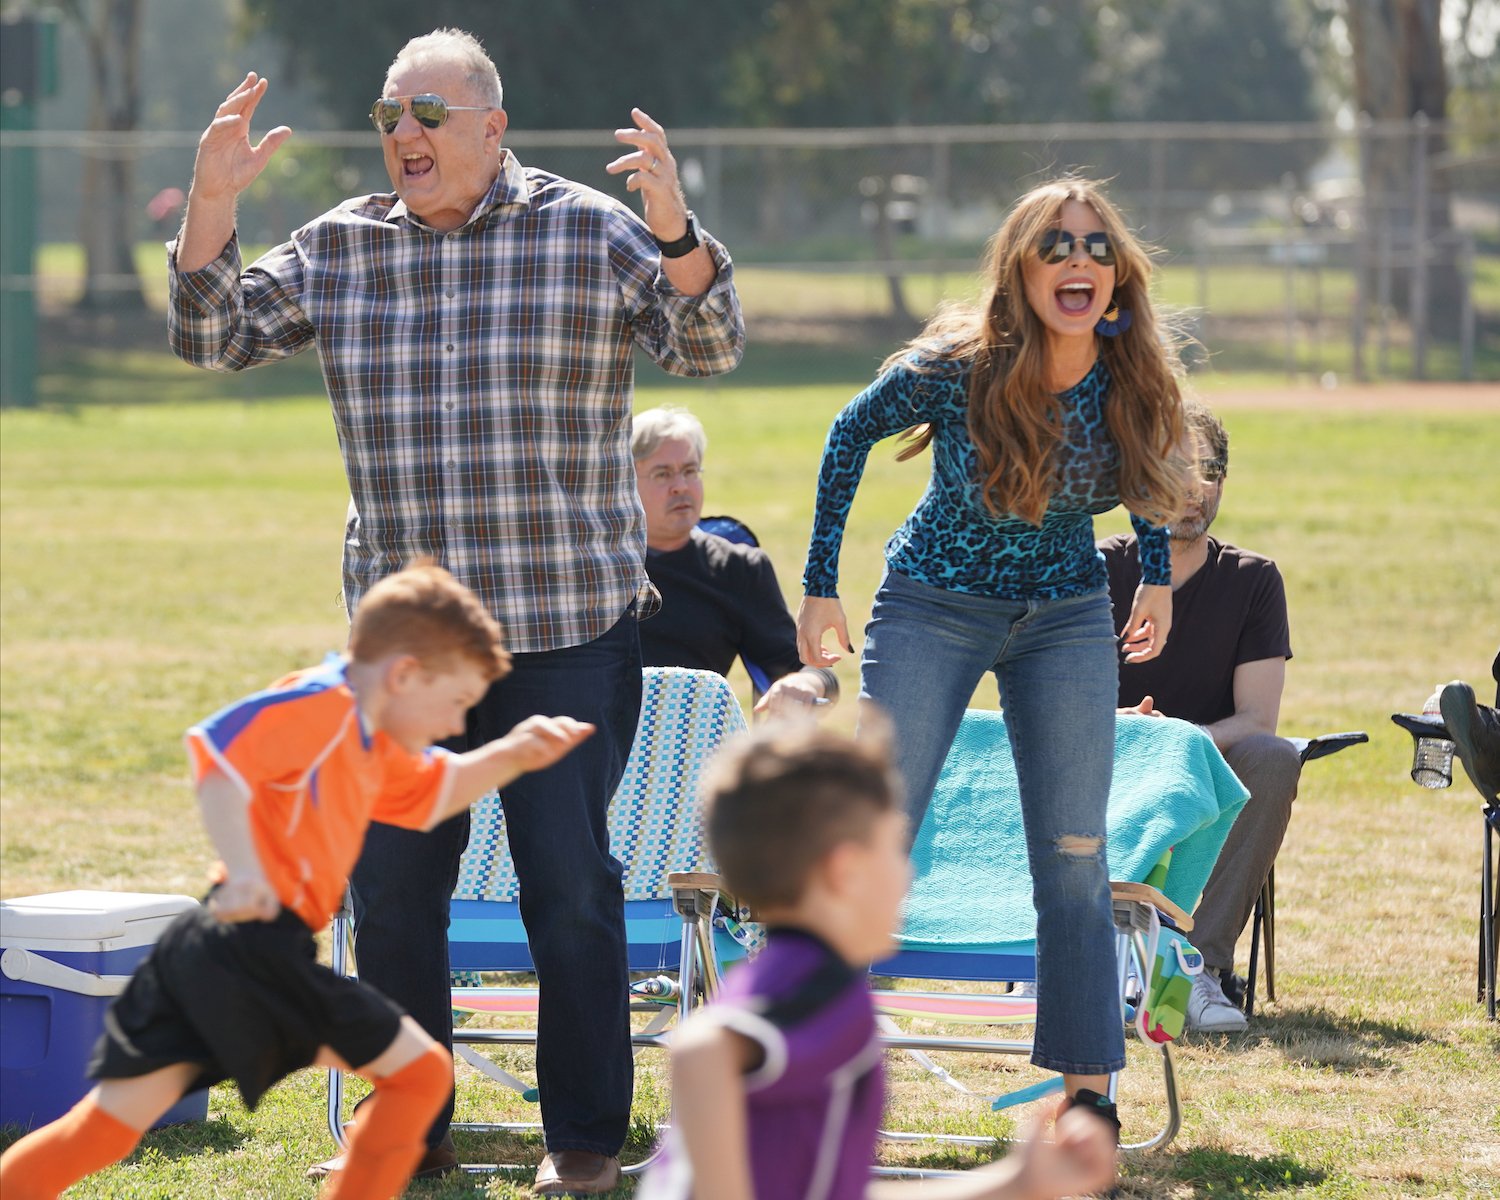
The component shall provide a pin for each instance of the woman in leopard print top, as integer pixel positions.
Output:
(1052, 400)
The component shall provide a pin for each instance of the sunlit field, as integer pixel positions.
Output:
(160, 558)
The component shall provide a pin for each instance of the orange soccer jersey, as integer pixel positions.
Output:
(315, 777)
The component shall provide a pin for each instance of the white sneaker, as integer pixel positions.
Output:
(1209, 1010)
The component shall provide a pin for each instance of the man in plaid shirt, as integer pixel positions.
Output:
(475, 330)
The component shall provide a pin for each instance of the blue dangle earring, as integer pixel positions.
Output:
(1115, 321)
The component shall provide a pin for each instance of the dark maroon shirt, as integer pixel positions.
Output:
(813, 1102)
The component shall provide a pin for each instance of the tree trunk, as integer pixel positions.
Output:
(1398, 73)
(112, 32)
(885, 246)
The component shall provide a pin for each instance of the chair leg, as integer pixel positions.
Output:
(1269, 892)
(343, 954)
(1487, 921)
(694, 897)
(1257, 921)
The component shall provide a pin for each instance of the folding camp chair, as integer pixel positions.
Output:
(969, 916)
(1433, 768)
(1263, 921)
(670, 913)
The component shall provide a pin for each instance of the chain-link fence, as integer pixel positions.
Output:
(1276, 254)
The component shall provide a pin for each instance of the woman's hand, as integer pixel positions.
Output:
(1145, 632)
(815, 617)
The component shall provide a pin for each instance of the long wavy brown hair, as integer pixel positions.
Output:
(1013, 419)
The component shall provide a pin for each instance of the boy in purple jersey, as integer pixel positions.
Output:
(778, 1085)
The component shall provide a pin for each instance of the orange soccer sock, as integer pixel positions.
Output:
(391, 1132)
(81, 1141)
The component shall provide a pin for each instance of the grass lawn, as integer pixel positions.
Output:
(159, 559)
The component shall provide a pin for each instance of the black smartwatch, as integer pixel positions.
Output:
(686, 244)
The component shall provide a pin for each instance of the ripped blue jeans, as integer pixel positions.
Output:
(1055, 661)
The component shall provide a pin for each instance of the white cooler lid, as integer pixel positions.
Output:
(81, 921)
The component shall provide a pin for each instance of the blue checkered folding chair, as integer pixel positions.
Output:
(677, 929)
(969, 918)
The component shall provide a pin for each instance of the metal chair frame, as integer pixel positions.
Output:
(1263, 920)
(1425, 725)
(1131, 903)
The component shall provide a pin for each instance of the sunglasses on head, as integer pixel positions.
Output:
(430, 110)
(1057, 246)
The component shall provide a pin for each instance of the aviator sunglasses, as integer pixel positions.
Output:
(1057, 245)
(430, 110)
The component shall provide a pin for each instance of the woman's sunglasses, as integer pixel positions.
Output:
(1057, 246)
(430, 110)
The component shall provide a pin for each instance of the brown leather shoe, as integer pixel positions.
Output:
(576, 1173)
(438, 1160)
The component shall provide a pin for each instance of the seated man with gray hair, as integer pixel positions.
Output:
(720, 599)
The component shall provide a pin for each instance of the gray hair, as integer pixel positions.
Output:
(462, 49)
(654, 426)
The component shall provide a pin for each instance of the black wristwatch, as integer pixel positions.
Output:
(686, 244)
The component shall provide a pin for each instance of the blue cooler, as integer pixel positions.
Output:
(62, 957)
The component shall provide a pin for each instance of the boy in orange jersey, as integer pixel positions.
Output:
(288, 781)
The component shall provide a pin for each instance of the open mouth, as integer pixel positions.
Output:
(1075, 297)
(414, 166)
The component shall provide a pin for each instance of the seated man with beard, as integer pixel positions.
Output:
(1223, 668)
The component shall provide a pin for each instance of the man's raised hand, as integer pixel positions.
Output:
(227, 163)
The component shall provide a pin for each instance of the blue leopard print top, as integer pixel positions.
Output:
(951, 540)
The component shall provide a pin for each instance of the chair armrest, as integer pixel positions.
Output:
(705, 881)
(694, 893)
(1422, 725)
(1327, 743)
(1144, 893)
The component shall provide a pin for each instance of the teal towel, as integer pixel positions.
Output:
(1172, 789)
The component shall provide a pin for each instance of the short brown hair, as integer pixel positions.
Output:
(778, 800)
(425, 612)
(1200, 420)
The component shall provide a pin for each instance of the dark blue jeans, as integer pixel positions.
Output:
(926, 649)
(571, 900)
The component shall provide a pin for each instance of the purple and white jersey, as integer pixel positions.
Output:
(815, 1100)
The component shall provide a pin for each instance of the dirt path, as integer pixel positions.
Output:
(1375, 397)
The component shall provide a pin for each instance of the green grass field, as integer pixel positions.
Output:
(158, 559)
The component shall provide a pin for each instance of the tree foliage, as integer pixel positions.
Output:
(565, 64)
(759, 63)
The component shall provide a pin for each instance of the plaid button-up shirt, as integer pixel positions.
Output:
(481, 383)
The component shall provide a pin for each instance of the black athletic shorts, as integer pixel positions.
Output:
(246, 1001)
